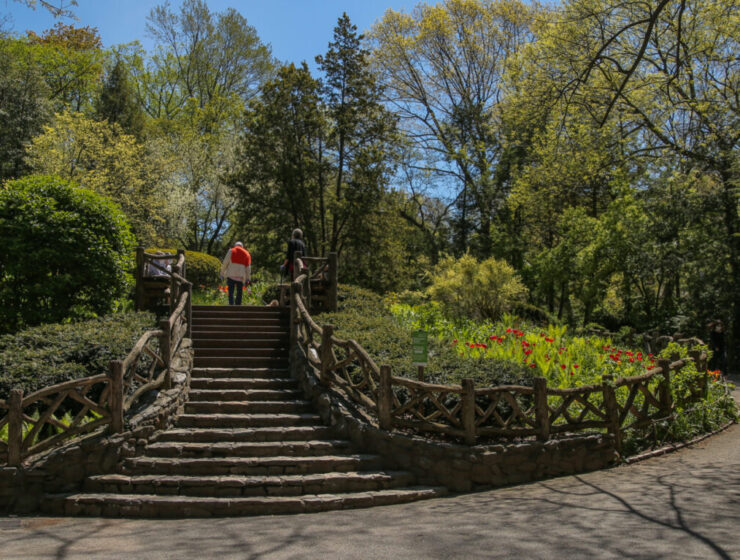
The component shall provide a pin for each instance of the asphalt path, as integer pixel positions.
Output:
(685, 504)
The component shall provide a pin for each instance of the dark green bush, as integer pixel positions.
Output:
(201, 269)
(37, 357)
(363, 316)
(65, 252)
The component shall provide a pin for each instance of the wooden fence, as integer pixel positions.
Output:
(468, 412)
(91, 402)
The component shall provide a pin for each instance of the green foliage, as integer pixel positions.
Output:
(117, 103)
(201, 269)
(101, 157)
(364, 316)
(65, 254)
(468, 288)
(23, 105)
(41, 356)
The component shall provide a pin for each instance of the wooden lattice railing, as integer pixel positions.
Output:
(46, 418)
(468, 412)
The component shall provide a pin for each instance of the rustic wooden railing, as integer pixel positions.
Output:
(468, 412)
(31, 420)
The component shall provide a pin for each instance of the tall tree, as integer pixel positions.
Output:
(668, 69)
(117, 102)
(443, 66)
(362, 134)
(72, 61)
(23, 105)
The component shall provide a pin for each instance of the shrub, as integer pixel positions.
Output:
(478, 290)
(363, 315)
(201, 269)
(64, 254)
(40, 356)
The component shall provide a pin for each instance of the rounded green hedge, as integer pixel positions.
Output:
(65, 252)
(201, 269)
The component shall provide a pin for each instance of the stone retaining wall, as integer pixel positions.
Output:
(64, 469)
(460, 468)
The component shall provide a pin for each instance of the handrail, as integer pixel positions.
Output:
(98, 400)
(471, 412)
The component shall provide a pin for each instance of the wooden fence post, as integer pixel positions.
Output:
(541, 411)
(666, 400)
(165, 347)
(612, 411)
(183, 271)
(115, 396)
(15, 427)
(331, 295)
(189, 312)
(292, 352)
(468, 410)
(385, 399)
(697, 356)
(139, 299)
(325, 354)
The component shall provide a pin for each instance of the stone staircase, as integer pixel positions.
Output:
(247, 443)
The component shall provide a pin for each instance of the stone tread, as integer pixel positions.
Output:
(256, 434)
(243, 384)
(240, 448)
(151, 505)
(271, 465)
(246, 420)
(226, 395)
(248, 407)
(236, 485)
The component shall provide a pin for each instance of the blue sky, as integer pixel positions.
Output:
(296, 29)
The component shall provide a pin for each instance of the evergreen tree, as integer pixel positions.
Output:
(117, 104)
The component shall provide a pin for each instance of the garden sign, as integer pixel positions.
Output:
(419, 348)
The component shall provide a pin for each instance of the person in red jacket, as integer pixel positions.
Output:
(237, 268)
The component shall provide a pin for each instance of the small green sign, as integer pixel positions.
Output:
(419, 348)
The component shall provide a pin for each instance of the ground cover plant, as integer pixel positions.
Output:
(45, 355)
(514, 351)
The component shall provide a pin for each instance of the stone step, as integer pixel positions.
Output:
(243, 384)
(246, 449)
(257, 434)
(241, 373)
(246, 420)
(240, 321)
(237, 309)
(253, 466)
(215, 334)
(276, 342)
(245, 352)
(244, 361)
(228, 395)
(247, 486)
(249, 407)
(240, 330)
(150, 505)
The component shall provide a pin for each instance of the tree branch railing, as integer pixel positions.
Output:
(508, 411)
(46, 418)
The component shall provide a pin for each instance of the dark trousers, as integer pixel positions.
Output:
(239, 286)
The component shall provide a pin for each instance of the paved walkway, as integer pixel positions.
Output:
(682, 505)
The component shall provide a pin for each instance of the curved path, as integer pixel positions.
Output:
(681, 505)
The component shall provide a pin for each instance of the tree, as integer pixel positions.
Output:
(72, 60)
(443, 66)
(101, 157)
(65, 254)
(62, 9)
(668, 70)
(362, 133)
(117, 103)
(23, 105)
(194, 90)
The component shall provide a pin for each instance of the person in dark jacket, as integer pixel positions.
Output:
(717, 346)
(295, 244)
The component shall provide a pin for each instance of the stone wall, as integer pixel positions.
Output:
(64, 469)
(460, 468)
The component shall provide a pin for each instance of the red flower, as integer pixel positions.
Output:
(576, 366)
(508, 330)
(454, 341)
(562, 366)
(532, 366)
